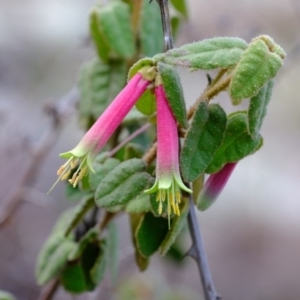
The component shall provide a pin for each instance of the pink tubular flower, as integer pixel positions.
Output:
(214, 186)
(168, 180)
(98, 135)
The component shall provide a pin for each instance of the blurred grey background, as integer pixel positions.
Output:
(252, 233)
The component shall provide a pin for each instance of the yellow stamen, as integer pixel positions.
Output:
(160, 208)
(66, 175)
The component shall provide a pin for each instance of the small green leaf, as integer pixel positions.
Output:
(257, 66)
(176, 227)
(6, 296)
(141, 261)
(150, 234)
(138, 205)
(101, 170)
(144, 62)
(123, 183)
(147, 104)
(219, 52)
(99, 83)
(77, 276)
(180, 6)
(204, 137)
(52, 258)
(174, 92)
(258, 109)
(237, 143)
(73, 280)
(97, 34)
(151, 33)
(175, 24)
(114, 21)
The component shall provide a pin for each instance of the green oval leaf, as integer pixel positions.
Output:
(147, 104)
(151, 33)
(52, 258)
(174, 92)
(176, 227)
(257, 66)
(114, 21)
(101, 43)
(73, 279)
(237, 143)
(258, 108)
(150, 234)
(123, 183)
(219, 52)
(203, 138)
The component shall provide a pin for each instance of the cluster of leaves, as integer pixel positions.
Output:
(122, 34)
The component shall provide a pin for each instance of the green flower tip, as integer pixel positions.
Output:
(171, 193)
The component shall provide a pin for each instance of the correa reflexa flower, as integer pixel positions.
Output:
(168, 180)
(214, 186)
(98, 135)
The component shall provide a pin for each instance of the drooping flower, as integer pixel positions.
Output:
(98, 135)
(214, 186)
(168, 179)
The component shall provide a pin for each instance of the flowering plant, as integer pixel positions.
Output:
(152, 171)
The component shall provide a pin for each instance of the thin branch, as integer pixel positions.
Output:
(49, 290)
(197, 250)
(198, 253)
(128, 139)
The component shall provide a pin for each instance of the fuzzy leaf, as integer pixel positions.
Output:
(101, 170)
(204, 137)
(114, 21)
(174, 92)
(151, 33)
(150, 234)
(219, 52)
(257, 66)
(258, 109)
(52, 258)
(98, 36)
(176, 227)
(144, 62)
(236, 145)
(123, 183)
(99, 83)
